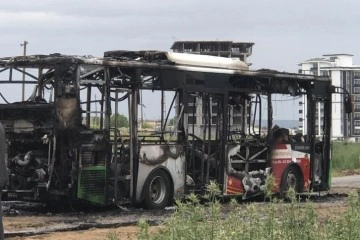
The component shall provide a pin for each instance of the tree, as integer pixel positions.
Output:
(95, 122)
(171, 121)
(146, 125)
(122, 121)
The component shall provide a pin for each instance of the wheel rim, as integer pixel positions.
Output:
(157, 190)
(291, 181)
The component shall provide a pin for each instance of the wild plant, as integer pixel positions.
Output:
(112, 235)
(276, 220)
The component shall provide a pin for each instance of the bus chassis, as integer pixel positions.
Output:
(54, 151)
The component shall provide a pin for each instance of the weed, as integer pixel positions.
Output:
(112, 235)
(143, 232)
(276, 221)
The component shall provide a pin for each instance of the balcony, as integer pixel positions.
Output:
(356, 83)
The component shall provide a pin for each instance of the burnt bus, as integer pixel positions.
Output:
(64, 139)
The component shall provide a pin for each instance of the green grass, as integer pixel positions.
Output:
(293, 221)
(345, 156)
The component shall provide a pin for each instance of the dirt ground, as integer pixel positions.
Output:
(324, 210)
(332, 206)
(122, 233)
(67, 227)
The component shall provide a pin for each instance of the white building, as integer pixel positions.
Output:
(343, 74)
(229, 49)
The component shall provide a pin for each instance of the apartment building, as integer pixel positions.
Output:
(343, 73)
(241, 50)
(230, 49)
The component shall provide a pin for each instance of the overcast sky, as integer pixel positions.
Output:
(284, 32)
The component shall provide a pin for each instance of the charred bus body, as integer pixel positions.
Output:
(54, 150)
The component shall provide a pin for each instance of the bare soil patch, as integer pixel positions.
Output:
(123, 233)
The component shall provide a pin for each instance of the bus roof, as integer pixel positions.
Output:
(155, 60)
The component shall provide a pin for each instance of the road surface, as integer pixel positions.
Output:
(352, 181)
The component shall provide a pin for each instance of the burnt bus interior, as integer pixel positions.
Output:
(60, 141)
(246, 148)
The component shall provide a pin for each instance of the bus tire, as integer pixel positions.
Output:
(157, 190)
(291, 179)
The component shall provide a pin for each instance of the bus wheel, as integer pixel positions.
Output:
(291, 179)
(157, 190)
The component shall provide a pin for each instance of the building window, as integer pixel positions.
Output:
(357, 107)
(214, 119)
(191, 119)
(214, 109)
(324, 73)
(236, 120)
(356, 89)
(237, 114)
(357, 131)
(192, 110)
(356, 74)
(357, 82)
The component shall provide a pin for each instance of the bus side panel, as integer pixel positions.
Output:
(234, 186)
(303, 160)
(170, 157)
(283, 156)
